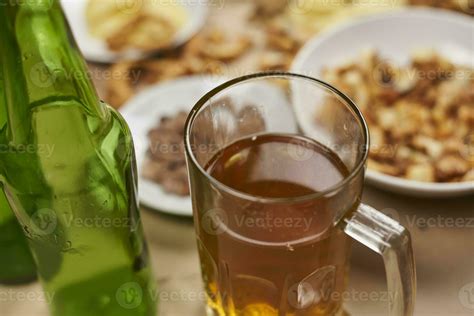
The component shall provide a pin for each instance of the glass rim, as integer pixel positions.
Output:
(200, 104)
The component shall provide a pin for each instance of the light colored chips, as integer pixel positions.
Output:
(421, 116)
(142, 24)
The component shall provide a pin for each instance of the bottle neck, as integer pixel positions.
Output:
(40, 64)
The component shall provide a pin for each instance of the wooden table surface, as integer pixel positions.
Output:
(444, 250)
(444, 259)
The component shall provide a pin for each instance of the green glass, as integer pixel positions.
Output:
(16, 263)
(69, 171)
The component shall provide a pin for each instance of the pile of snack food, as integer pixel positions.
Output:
(146, 25)
(206, 53)
(165, 163)
(421, 116)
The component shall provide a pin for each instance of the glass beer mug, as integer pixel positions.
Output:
(276, 164)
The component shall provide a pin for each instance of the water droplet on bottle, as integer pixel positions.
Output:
(290, 247)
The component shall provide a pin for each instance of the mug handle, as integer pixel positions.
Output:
(393, 242)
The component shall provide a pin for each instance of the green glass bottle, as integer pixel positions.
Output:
(16, 263)
(69, 171)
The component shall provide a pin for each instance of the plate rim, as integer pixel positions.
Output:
(434, 13)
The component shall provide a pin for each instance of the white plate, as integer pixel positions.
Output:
(96, 50)
(168, 98)
(395, 35)
(142, 113)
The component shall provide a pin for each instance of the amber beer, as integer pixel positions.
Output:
(256, 255)
(276, 197)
